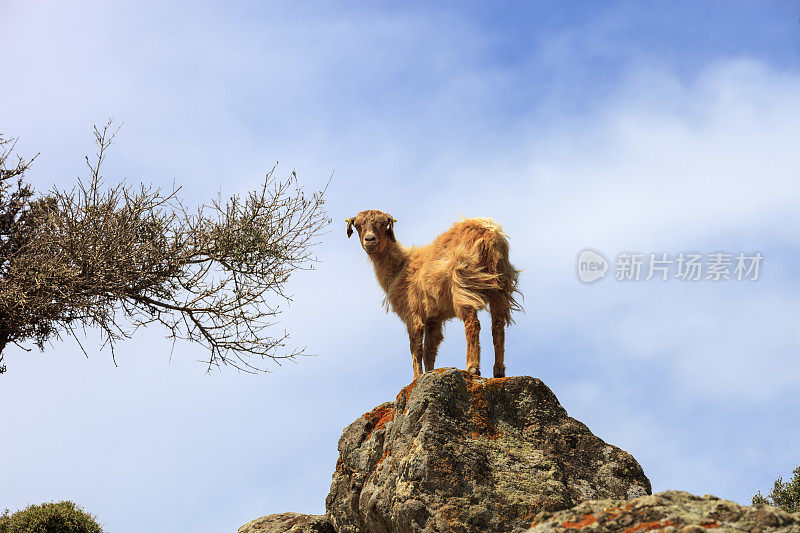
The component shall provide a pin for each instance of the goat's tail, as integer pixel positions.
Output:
(483, 274)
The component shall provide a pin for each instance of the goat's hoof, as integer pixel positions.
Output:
(475, 371)
(500, 371)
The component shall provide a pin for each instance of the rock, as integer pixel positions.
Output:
(289, 523)
(670, 511)
(455, 452)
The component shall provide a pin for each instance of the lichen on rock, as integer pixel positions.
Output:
(455, 452)
(459, 453)
(667, 512)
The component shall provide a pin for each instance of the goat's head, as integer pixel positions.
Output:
(375, 228)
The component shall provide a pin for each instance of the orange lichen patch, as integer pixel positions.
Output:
(613, 512)
(709, 524)
(527, 516)
(479, 406)
(585, 521)
(649, 526)
(609, 513)
(491, 436)
(405, 392)
(385, 454)
(378, 418)
(451, 515)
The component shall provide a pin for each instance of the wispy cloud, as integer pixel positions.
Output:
(572, 130)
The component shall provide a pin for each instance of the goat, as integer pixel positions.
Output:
(461, 272)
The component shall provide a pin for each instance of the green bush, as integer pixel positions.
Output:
(61, 517)
(783, 495)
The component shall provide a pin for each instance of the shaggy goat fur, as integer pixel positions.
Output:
(461, 272)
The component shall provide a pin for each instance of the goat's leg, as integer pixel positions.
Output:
(433, 338)
(499, 336)
(472, 328)
(415, 334)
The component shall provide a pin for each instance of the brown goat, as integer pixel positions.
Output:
(458, 274)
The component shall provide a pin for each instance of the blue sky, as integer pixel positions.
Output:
(661, 128)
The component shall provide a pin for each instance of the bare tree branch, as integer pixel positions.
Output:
(121, 257)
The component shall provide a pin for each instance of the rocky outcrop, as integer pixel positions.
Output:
(668, 512)
(455, 452)
(289, 523)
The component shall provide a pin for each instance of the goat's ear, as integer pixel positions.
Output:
(390, 228)
(350, 226)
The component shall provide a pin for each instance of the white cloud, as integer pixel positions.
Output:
(411, 124)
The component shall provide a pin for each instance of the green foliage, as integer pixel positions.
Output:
(783, 495)
(60, 517)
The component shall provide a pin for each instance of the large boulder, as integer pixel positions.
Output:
(455, 452)
(668, 512)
